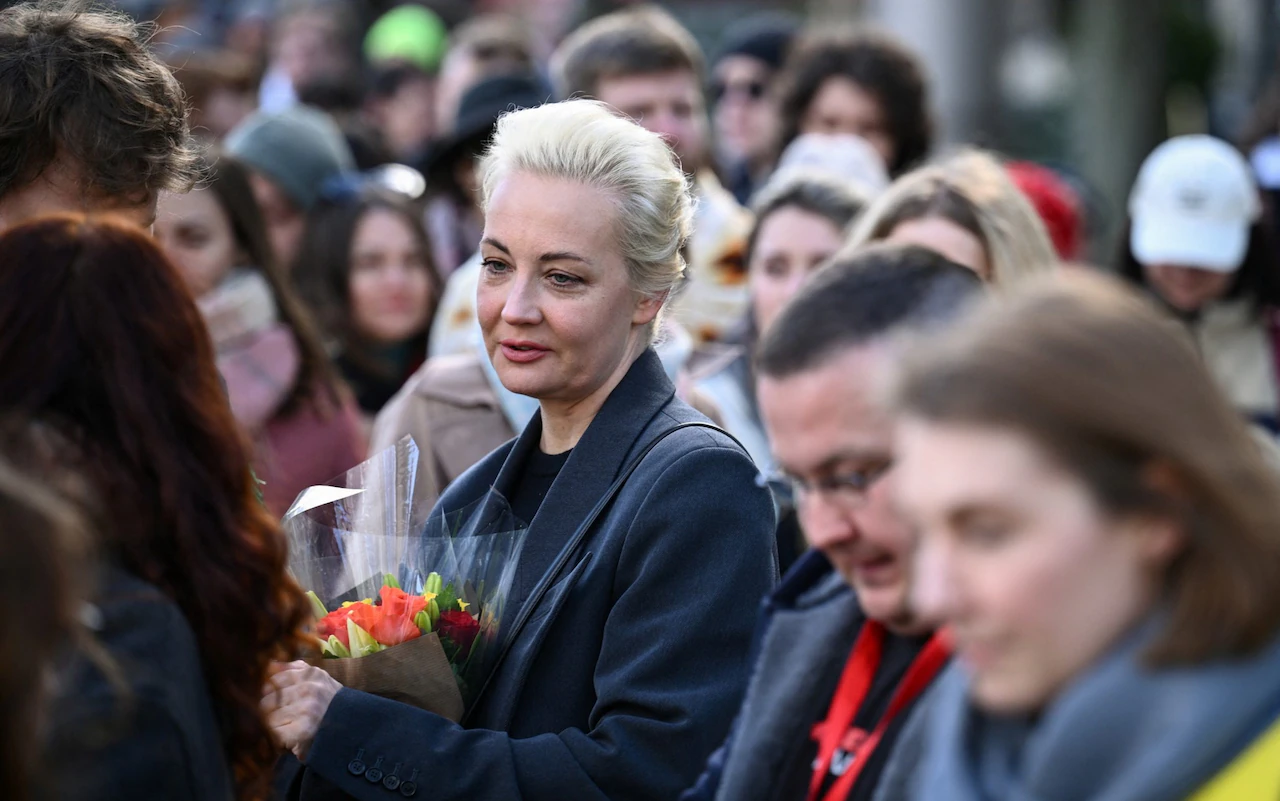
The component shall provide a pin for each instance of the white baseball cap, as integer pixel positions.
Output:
(1193, 205)
(845, 157)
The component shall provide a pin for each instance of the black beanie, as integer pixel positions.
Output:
(765, 37)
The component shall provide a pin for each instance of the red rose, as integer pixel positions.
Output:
(460, 627)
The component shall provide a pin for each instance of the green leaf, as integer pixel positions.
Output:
(362, 642)
(449, 599)
(317, 608)
(334, 648)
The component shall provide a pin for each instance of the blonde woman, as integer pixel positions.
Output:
(966, 208)
(627, 640)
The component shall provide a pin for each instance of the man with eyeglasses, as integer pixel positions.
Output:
(841, 659)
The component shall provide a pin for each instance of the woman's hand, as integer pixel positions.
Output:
(295, 699)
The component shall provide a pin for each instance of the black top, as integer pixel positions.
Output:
(898, 654)
(535, 480)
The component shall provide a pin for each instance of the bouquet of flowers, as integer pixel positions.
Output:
(408, 605)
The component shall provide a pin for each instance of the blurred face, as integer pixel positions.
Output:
(560, 319)
(406, 119)
(824, 423)
(946, 239)
(308, 46)
(789, 247)
(285, 221)
(197, 237)
(668, 103)
(224, 109)
(390, 284)
(458, 72)
(843, 107)
(1035, 580)
(1187, 289)
(745, 117)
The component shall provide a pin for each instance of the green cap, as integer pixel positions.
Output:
(408, 33)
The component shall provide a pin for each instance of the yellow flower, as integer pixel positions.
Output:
(368, 601)
(463, 605)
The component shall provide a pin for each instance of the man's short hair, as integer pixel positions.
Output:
(641, 41)
(78, 83)
(863, 298)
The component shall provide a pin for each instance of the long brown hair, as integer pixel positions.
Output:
(1112, 389)
(228, 180)
(323, 268)
(103, 342)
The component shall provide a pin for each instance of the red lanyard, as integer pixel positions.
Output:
(854, 685)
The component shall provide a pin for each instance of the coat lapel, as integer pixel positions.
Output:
(594, 465)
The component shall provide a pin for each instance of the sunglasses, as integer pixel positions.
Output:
(750, 90)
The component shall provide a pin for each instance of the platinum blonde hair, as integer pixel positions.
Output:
(972, 190)
(585, 142)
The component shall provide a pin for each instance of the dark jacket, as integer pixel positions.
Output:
(807, 629)
(144, 726)
(629, 669)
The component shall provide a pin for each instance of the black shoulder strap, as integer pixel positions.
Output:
(575, 542)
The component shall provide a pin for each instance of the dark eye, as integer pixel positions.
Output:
(985, 533)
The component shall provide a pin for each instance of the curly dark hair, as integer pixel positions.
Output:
(878, 64)
(78, 82)
(105, 345)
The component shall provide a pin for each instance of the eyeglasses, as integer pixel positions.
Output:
(850, 487)
(750, 90)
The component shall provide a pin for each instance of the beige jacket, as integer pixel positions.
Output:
(451, 413)
(1237, 348)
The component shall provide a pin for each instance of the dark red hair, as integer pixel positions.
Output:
(103, 341)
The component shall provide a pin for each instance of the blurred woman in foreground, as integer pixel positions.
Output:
(106, 350)
(1102, 535)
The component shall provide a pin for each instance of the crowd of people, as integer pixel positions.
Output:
(846, 476)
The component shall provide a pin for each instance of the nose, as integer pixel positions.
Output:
(933, 591)
(826, 525)
(521, 304)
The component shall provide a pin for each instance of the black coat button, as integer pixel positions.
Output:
(392, 781)
(374, 774)
(357, 766)
(408, 789)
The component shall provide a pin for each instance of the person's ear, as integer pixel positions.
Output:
(1161, 534)
(647, 308)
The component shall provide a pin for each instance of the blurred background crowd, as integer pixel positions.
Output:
(355, 126)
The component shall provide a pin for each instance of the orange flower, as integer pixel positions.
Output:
(398, 603)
